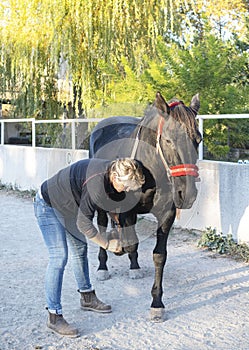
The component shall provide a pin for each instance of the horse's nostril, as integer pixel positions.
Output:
(180, 195)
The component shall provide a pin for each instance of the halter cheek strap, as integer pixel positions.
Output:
(159, 133)
(161, 124)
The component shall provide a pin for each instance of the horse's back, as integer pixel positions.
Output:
(109, 130)
(116, 120)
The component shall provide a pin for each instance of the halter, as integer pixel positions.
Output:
(173, 171)
(176, 170)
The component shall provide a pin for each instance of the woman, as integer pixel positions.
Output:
(64, 208)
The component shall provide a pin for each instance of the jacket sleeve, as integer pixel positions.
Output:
(85, 216)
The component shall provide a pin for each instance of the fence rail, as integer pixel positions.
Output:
(201, 119)
(74, 122)
(35, 122)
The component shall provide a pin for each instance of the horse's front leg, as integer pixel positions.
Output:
(135, 272)
(159, 258)
(102, 271)
(130, 242)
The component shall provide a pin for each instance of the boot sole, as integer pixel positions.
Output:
(63, 335)
(94, 310)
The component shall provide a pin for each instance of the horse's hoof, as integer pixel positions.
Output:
(136, 274)
(103, 275)
(157, 314)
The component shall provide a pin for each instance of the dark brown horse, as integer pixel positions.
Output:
(165, 142)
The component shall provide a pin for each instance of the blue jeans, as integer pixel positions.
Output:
(57, 238)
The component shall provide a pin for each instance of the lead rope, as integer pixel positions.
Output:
(134, 150)
(133, 153)
(160, 152)
(116, 217)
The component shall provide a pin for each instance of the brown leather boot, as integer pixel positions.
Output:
(59, 325)
(89, 301)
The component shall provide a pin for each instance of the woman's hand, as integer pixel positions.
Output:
(114, 245)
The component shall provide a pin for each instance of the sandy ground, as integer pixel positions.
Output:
(206, 296)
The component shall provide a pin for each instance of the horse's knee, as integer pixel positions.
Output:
(159, 259)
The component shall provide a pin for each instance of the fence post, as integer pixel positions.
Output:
(1, 115)
(73, 135)
(2, 133)
(33, 132)
(201, 144)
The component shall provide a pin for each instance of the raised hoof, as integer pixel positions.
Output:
(157, 314)
(136, 274)
(103, 275)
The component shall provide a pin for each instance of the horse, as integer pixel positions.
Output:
(165, 142)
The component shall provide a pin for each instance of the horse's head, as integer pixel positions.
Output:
(177, 142)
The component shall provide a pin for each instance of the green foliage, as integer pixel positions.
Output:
(213, 68)
(215, 241)
(221, 244)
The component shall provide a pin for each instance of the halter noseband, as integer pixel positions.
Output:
(176, 170)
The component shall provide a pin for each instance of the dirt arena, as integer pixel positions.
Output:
(206, 296)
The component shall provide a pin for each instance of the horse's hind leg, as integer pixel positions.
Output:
(102, 271)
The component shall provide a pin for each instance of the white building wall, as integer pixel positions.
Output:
(25, 168)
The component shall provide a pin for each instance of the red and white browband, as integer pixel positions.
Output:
(176, 103)
(184, 169)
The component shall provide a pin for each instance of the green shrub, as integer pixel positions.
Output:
(222, 244)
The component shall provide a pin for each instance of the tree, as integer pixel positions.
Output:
(39, 37)
(93, 45)
(216, 70)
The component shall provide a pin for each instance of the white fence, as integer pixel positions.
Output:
(201, 119)
(75, 122)
(34, 123)
(223, 196)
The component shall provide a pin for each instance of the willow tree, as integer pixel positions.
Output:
(86, 39)
(85, 45)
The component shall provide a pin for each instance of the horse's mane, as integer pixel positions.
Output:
(180, 112)
(185, 116)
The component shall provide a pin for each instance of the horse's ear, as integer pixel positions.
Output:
(195, 103)
(161, 104)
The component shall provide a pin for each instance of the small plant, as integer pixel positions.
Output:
(215, 241)
(13, 189)
(222, 244)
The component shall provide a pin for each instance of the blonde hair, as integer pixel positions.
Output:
(128, 172)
